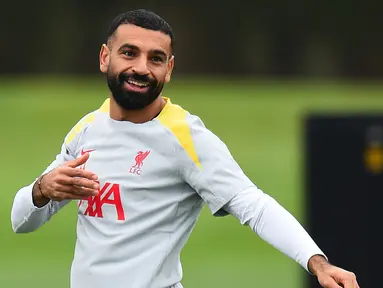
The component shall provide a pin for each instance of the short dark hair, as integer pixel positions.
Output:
(142, 18)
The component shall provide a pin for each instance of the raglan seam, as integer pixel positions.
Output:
(81, 133)
(177, 147)
(218, 201)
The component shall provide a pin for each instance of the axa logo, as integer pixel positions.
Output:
(109, 194)
(140, 157)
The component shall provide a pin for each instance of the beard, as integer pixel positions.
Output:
(133, 100)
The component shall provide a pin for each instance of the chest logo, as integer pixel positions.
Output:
(140, 157)
(83, 152)
(108, 194)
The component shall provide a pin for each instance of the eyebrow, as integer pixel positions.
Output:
(128, 46)
(134, 47)
(159, 52)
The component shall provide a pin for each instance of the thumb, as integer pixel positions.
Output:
(78, 161)
(329, 282)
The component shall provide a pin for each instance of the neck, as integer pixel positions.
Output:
(136, 116)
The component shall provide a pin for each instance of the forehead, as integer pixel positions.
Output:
(144, 39)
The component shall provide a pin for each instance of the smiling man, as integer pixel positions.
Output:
(150, 167)
(138, 62)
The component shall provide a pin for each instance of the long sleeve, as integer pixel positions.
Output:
(213, 173)
(274, 224)
(25, 216)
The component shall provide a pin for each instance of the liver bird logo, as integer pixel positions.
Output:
(141, 156)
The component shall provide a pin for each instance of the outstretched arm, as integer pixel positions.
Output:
(274, 224)
(278, 227)
(223, 185)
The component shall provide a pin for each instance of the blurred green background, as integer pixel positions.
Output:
(260, 121)
(251, 70)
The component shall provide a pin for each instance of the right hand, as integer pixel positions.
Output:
(68, 181)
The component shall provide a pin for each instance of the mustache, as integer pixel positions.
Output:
(134, 76)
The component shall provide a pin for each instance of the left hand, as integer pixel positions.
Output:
(330, 276)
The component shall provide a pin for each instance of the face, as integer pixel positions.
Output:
(138, 63)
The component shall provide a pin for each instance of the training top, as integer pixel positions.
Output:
(154, 180)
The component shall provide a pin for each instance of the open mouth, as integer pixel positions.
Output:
(137, 85)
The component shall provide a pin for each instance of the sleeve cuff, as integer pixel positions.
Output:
(29, 198)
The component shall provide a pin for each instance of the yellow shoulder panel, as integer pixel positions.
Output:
(78, 127)
(105, 106)
(86, 120)
(174, 118)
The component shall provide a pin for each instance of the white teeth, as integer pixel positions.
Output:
(137, 83)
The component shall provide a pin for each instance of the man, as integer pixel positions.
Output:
(141, 169)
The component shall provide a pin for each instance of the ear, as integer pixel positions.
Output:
(104, 58)
(170, 69)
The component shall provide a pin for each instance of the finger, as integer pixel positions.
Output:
(350, 284)
(78, 161)
(77, 181)
(77, 172)
(349, 281)
(77, 190)
(61, 195)
(356, 285)
(85, 191)
(329, 283)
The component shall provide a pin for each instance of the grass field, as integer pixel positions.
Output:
(260, 122)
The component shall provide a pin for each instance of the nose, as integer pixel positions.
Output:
(141, 66)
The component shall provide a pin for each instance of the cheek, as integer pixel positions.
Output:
(160, 73)
(117, 65)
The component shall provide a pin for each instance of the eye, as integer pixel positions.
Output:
(157, 59)
(129, 53)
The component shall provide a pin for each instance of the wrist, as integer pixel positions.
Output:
(39, 199)
(317, 264)
(39, 181)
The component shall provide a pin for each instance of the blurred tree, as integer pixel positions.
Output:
(324, 38)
